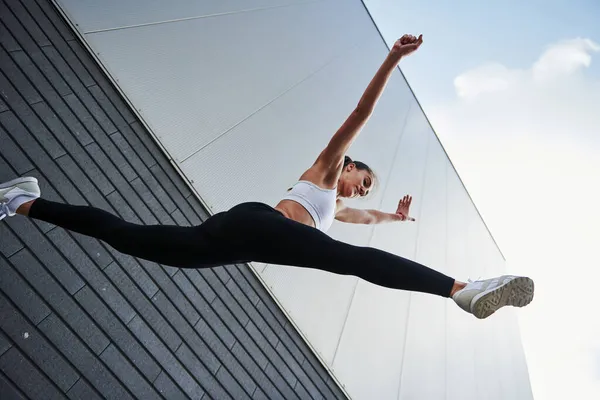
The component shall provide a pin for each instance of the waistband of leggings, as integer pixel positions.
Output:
(256, 205)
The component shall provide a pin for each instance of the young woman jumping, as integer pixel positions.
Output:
(292, 233)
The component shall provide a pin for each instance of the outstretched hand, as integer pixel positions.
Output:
(407, 44)
(403, 208)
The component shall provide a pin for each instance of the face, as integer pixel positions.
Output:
(354, 182)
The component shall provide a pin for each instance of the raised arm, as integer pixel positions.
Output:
(333, 155)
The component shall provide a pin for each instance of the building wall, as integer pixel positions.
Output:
(80, 320)
(242, 96)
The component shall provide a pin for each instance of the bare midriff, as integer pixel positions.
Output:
(295, 211)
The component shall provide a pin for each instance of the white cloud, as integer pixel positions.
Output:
(491, 77)
(560, 60)
(564, 58)
(526, 142)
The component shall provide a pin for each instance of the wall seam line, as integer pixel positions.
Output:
(263, 107)
(168, 21)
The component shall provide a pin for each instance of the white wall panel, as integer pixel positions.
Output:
(491, 358)
(460, 352)
(372, 343)
(214, 73)
(475, 268)
(498, 333)
(243, 95)
(486, 353)
(375, 354)
(93, 15)
(406, 177)
(522, 385)
(504, 334)
(424, 361)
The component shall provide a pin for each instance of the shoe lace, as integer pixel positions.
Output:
(470, 281)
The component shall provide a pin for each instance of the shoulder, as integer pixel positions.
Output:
(339, 205)
(322, 175)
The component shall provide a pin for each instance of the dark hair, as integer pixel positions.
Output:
(361, 166)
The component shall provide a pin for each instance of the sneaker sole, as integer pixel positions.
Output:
(516, 293)
(14, 182)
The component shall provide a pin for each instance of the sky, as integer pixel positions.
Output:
(512, 89)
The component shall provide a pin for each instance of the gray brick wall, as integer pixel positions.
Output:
(79, 320)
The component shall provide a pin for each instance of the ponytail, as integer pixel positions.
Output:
(347, 160)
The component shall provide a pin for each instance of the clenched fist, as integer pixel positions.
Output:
(406, 45)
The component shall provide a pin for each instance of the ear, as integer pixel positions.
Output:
(350, 167)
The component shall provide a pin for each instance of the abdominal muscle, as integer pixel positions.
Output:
(295, 211)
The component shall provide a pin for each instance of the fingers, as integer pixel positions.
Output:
(404, 205)
(402, 202)
(408, 43)
(407, 39)
(407, 199)
(411, 39)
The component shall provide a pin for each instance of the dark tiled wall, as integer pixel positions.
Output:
(79, 320)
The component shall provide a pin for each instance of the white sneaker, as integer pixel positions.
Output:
(16, 192)
(485, 297)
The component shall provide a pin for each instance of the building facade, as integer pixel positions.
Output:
(204, 105)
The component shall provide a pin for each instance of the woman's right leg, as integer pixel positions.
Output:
(176, 246)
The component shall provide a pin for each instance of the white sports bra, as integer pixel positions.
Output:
(319, 202)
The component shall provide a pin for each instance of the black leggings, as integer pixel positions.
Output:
(247, 232)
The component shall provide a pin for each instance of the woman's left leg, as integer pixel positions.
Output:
(260, 233)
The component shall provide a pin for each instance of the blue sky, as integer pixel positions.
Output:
(512, 89)
(462, 34)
